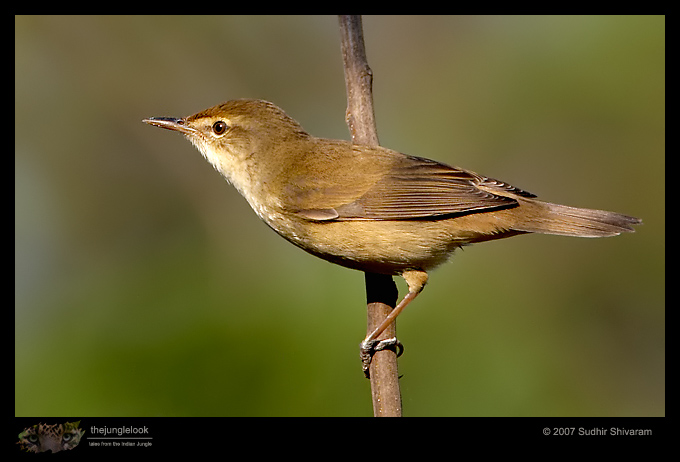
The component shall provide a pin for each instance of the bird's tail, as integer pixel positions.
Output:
(547, 218)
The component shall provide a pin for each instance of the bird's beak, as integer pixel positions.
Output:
(178, 125)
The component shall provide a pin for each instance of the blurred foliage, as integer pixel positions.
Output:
(145, 286)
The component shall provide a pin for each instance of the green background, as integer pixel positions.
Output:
(145, 286)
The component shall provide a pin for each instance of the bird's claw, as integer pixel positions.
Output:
(370, 347)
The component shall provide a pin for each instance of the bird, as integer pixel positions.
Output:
(370, 208)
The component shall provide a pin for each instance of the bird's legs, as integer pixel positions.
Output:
(416, 280)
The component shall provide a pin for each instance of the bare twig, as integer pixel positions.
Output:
(381, 291)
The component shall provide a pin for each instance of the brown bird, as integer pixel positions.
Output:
(369, 208)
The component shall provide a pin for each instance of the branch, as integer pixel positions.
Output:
(381, 291)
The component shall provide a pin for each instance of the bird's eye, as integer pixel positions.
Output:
(219, 127)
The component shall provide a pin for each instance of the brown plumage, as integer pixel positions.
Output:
(370, 208)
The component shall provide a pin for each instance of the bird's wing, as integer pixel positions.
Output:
(410, 188)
